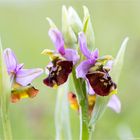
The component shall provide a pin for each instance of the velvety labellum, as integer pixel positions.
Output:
(58, 73)
(101, 82)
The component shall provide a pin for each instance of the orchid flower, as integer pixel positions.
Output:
(62, 60)
(20, 78)
(95, 70)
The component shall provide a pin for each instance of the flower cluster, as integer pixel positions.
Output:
(71, 54)
(93, 81)
(93, 69)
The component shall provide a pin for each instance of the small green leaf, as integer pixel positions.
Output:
(89, 31)
(85, 25)
(118, 62)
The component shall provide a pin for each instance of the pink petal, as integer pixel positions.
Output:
(83, 68)
(110, 64)
(19, 66)
(94, 55)
(115, 104)
(57, 38)
(71, 55)
(10, 60)
(26, 76)
(83, 45)
(89, 88)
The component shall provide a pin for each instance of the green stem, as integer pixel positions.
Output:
(84, 134)
(6, 124)
(5, 100)
(7, 134)
(91, 131)
(82, 99)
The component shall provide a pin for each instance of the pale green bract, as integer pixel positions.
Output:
(69, 35)
(74, 20)
(118, 62)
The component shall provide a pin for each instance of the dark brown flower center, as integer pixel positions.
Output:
(101, 82)
(58, 73)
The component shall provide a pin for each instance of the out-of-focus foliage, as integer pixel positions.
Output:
(23, 27)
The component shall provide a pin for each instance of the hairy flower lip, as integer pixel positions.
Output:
(101, 82)
(58, 73)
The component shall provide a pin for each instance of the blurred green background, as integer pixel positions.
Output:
(23, 28)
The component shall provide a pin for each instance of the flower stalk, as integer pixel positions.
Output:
(82, 99)
(7, 132)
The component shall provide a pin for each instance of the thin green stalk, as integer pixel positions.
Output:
(91, 131)
(7, 133)
(82, 99)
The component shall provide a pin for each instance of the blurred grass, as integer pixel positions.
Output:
(23, 28)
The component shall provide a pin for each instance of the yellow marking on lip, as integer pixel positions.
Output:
(105, 84)
(24, 95)
(91, 99)
(113, 92)
(55, 86)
